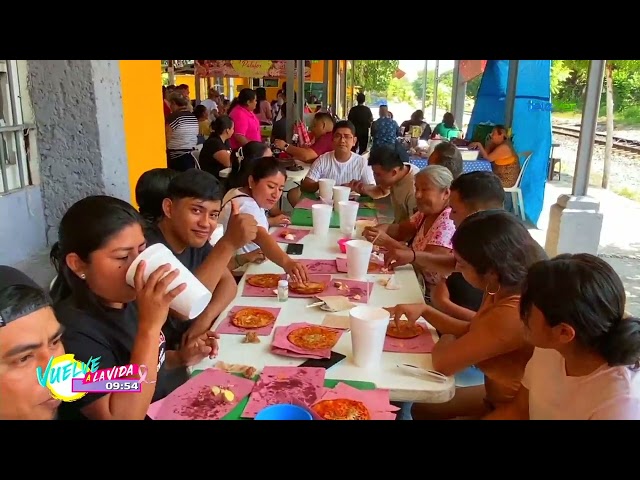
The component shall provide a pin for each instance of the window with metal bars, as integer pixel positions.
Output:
(15, 135)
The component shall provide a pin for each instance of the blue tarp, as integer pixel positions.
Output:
(531, 120)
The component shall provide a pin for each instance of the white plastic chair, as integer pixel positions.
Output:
(516, 191)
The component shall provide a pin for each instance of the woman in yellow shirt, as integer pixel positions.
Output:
(503, 157)
(202, 114)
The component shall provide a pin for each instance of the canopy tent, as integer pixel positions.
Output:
(531, 119)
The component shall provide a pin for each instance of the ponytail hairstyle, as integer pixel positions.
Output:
(241, 163)
(220, 124)
(86, 227)
(584, 292)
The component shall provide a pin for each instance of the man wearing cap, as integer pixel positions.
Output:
(29, 336)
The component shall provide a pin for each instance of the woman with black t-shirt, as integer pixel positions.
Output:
(216, 151)
(99, 237)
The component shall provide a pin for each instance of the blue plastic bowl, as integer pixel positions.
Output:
(283, 412)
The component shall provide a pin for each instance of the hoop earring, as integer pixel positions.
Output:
(83, 276)
(486, 290)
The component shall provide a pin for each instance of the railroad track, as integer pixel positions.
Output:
(630, 147)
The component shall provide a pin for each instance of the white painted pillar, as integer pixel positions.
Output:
(575, 221)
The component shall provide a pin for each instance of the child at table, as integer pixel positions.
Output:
(261, 191)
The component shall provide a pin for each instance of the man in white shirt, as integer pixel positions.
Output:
(342, 165)
(212, 103)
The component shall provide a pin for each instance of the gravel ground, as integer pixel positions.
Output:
(625, 171)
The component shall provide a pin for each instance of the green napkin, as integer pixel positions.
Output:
(313, 196)
(303, 218)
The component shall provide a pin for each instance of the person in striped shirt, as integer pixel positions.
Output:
(181, 130)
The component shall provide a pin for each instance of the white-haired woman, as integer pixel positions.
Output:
(428, 230)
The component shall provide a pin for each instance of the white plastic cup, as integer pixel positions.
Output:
(321, 218)
(348, 212)
(361, 225)
(217, 234)
(193, 300)
(368, 330)
(326, 188)
(340, 194)
(358, 258)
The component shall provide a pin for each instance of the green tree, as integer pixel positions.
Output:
(374, 75)
(400, 90)
(620, 70)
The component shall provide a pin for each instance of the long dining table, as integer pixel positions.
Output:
(402, 386)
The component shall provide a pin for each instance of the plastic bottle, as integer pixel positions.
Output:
(283, 290)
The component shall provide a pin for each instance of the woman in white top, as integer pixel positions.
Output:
(587, 350)
(260, 193)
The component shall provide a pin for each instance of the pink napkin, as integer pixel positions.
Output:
(307, 203)
(298, 385)
(421, 344)
(297, 233)
(229, 328)
(341, 264)
(320, 266)
(282, 346)
(194, 400)
(251, 291)
(376, 401)
(356, 287)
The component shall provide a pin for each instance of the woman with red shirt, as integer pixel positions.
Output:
(246, 124)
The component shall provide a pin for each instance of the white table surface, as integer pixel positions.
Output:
(403, 387)
(300, 174)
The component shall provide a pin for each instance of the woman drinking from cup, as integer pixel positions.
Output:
(493, 251)
(259, 193)
(585, 365)
(104, 317)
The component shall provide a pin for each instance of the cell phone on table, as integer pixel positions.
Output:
(325, 363)
(294, 249)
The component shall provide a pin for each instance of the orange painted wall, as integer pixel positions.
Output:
(143, 118)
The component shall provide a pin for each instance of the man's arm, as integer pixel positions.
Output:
(304, 154)
(369, 186)
(223, 295)
(310, 183)
(518, 409)
(374, 191)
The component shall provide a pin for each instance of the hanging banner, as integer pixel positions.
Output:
(246, 68)
(470, 69)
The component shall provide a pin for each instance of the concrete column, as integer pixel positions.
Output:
(512, 86)
(325, 85)
(77, 106)
(291, 78)
(300, 88)
(575, 221)
(458, 95)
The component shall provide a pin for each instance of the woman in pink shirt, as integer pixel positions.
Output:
(585, 365)
(246, 124)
